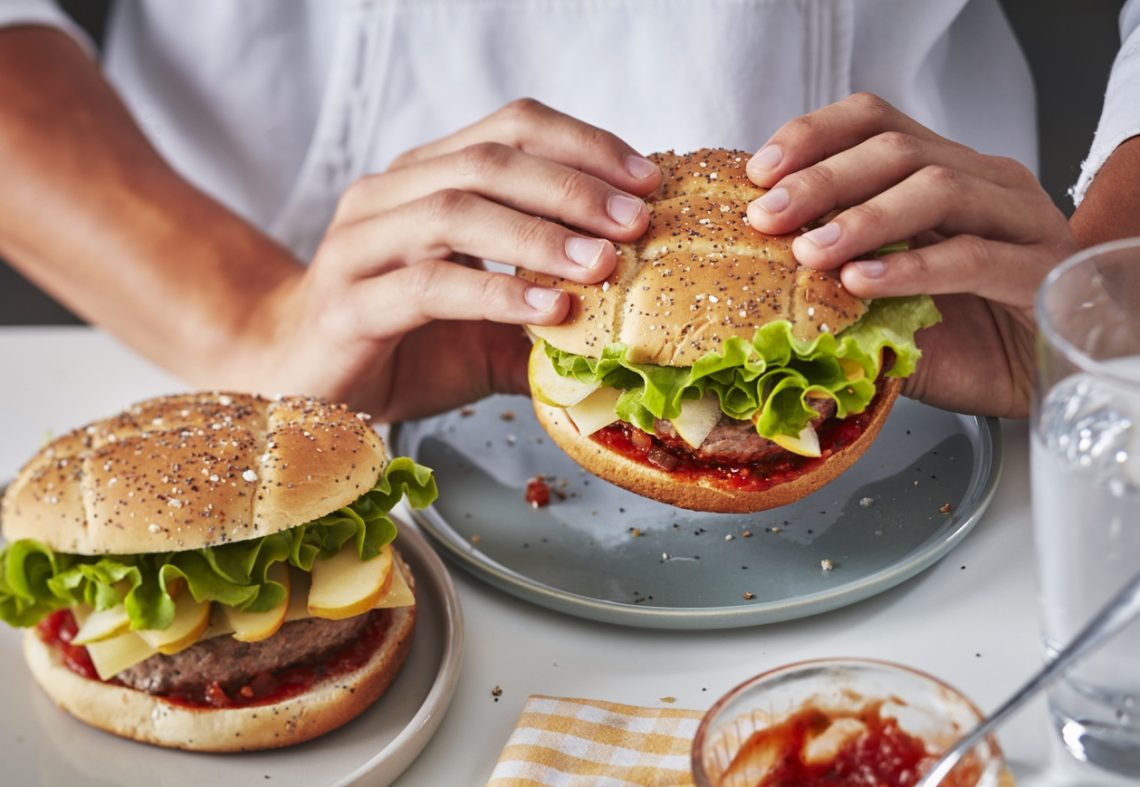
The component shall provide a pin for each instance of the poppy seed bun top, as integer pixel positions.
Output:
(698, 276)
(192, 470)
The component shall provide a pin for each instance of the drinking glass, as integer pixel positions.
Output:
(1085, 465)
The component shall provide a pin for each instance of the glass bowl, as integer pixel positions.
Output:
(839, 721)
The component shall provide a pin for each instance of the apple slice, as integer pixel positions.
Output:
(806, 443)
(344, 586)
(595, 411)
(697, 418)
(548, 386)
(256, 626)
(104, 624)
(190, 621)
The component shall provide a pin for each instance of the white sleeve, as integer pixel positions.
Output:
(43, 12)
(1120, 118)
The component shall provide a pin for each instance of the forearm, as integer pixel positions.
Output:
(1111, 207)
(91, 212)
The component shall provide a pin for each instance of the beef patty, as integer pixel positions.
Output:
(231, 662)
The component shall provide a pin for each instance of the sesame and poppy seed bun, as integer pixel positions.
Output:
(710, 370)
(192, 470)
(213, 571)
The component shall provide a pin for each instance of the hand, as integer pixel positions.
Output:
(985, 234)
(394, 315)
(397, 316)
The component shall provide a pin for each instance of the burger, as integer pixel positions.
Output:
(710, 370)
(212, 572)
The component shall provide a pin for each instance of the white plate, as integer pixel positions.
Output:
(42, 745)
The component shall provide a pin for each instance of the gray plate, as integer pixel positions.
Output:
(607, 554)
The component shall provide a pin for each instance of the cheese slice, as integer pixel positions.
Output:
(399, 593)
(595, 411)
(112, 656)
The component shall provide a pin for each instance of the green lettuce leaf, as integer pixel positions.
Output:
(769, 379)
(35, 580)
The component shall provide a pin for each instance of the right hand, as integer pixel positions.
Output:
(397, 316)
(986, 235)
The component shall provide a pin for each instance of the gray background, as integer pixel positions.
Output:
(1070, 45)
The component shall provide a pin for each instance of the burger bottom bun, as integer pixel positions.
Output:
(705, 494)
(143, 717)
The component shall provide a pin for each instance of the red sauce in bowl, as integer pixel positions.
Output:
(881, 755)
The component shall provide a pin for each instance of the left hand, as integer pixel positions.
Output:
(984, 235)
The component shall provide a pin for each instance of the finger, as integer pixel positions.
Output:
(507, 355)
(1007, 273)
(508, 176)
(934, 198)
(452, 221)
(388, 306)
(818, 135)
(872, 166)
(535, 128)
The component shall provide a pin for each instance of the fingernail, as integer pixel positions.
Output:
(870, 269)
(640, 168)
(584, 251)
(769, 157)
(541, 299)
(774, 201)
(823, 236)
(623, 209)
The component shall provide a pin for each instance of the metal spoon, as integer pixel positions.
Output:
(1113, 617)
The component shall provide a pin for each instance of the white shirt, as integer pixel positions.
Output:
(275, 108)
(1120, 117)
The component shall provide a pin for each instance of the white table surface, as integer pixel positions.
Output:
(971, 619)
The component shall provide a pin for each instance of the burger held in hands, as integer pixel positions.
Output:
(710, 370)
(213, 572)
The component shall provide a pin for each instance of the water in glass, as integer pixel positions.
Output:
(1085, 461)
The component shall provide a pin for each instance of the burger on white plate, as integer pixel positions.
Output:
(710, 370)
(212, 572)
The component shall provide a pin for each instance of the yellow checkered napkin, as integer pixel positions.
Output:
(570, 742)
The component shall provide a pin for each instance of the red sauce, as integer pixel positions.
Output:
(266, 687)
(537, 492)
(882, 755)
(57, 630)
(834, 435)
